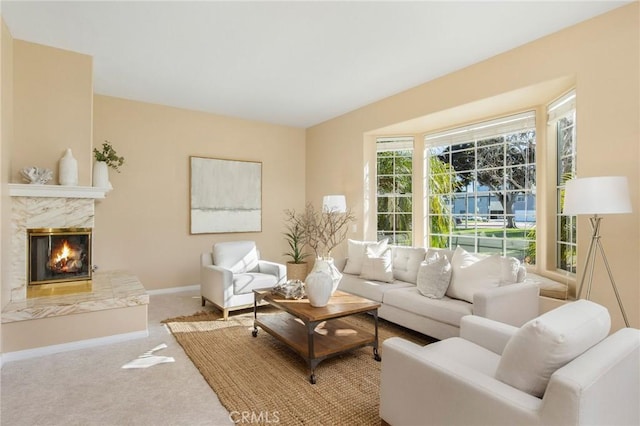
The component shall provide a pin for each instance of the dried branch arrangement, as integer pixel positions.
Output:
(322, 230)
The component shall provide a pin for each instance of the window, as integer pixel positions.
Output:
(481, 187)
(562, 120)
(394, 190)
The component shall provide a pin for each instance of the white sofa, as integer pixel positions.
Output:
(403, 304)
(558, 369)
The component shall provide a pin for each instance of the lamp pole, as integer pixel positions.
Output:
(591, 260)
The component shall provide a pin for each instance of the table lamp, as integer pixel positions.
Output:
(334, 203)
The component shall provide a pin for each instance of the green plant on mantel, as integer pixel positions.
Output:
(109, 156)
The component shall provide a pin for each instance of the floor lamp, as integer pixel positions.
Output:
(597, 196)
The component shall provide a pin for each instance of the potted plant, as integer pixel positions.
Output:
(296, 239)
(105, 158)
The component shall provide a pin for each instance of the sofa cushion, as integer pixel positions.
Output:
(446, 252)
(447, 310)
(550, 341)
(237, 256)
(471, 273)
(464, 352)
(377, 266)
(246, 283)
(406, 261)
(434, 275)
(356, 251)
(373, 290)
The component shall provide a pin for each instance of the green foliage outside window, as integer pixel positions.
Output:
(394, 196)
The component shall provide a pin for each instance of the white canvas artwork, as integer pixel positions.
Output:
(226, 196)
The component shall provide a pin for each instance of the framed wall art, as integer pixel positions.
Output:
(226, 196)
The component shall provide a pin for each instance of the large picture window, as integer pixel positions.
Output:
(394, 190)
(481, 187)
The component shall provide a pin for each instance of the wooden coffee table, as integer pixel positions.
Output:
(317, 333)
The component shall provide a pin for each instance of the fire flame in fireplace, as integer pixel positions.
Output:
(65, 259)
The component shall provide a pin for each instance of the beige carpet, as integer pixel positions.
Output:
(263, 380)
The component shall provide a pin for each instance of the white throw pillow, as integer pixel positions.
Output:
(550, 341)
(377, 268)
(406, 261)
(434, 276)
(471, 274)
(356, 251)
(510, 268)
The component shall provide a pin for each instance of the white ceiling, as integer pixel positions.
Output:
(294, 63)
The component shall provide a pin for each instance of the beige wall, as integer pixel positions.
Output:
(53, 96)
(600, 55)
(6, 137)
(143, 224)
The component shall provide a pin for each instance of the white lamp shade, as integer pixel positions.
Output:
(334, 203)
(597, 195)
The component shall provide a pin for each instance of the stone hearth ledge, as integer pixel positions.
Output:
(110, 289)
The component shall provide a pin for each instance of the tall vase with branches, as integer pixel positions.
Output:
(323, 231)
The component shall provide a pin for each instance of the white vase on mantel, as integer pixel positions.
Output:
(101, 175)
(68, 169)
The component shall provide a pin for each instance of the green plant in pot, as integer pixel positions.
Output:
(296, 239)
(109, 156)
(106, 158)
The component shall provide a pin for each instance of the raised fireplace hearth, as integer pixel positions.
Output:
(72, 303)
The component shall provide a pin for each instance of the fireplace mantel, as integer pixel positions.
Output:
(58, 191)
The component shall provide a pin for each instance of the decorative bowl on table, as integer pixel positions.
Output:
(292, 289)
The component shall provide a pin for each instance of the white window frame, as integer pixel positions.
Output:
(557, 110)
(388, 144)
(473, 133)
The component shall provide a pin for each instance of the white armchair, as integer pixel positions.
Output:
(558, 369)
(230, 273)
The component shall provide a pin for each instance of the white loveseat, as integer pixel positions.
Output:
(404, 304)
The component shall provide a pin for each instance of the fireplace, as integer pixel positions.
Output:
(58, 256)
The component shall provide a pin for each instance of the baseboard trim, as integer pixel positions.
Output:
(173, 289)
(72, 346)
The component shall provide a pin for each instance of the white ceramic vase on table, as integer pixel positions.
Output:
(322, 282)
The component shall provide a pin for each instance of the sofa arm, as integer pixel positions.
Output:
(420, 385)
(272, 268)
(513, 304)
(489, 334)
(216, 284)
(606, 375)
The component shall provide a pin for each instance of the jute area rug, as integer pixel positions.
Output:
(261, 381)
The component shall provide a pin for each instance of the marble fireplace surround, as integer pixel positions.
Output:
(55, 206)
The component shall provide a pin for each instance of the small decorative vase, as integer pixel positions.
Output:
(318, 286)
(68, 170)
(101, 175)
